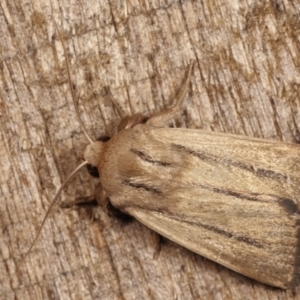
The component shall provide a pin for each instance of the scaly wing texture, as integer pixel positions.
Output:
(229, 198)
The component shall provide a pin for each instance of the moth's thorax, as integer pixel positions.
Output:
(93, 153)
(115, 158)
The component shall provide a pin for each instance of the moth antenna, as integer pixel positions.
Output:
(71, 87)
(122, 114)
(77, 169)
(49, 211)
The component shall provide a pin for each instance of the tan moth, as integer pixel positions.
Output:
(232, 199)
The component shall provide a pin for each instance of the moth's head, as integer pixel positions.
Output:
(93, 153)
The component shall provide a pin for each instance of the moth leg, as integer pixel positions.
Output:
(103, 201)
(81, 202)
(163, 118)
(106, 206)
(158, 246)
(127, 121)
(98, 199)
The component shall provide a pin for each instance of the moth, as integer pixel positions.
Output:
(232, 199)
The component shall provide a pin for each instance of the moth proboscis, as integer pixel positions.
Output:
(230, 198)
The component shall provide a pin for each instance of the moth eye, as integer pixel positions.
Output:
(104, 138)
(93, 170)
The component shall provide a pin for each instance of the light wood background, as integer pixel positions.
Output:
(246, 81)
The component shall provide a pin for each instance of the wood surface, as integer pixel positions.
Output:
(245, 81)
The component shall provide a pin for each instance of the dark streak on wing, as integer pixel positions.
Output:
(143, 186)
(288, 204)
(229, 234)
(259, 171)
(146, 157)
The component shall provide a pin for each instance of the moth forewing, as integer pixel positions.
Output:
(230, 198)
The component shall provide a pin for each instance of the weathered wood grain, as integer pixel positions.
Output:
(246, 81)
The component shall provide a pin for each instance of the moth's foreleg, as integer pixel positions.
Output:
(88, 203)
(163, 118)
(129, 122)
(81, 202)
(98, 199)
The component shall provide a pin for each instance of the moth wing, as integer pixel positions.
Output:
(229, 198)
(270, 260)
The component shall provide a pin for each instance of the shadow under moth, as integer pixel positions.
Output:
(232, 199)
